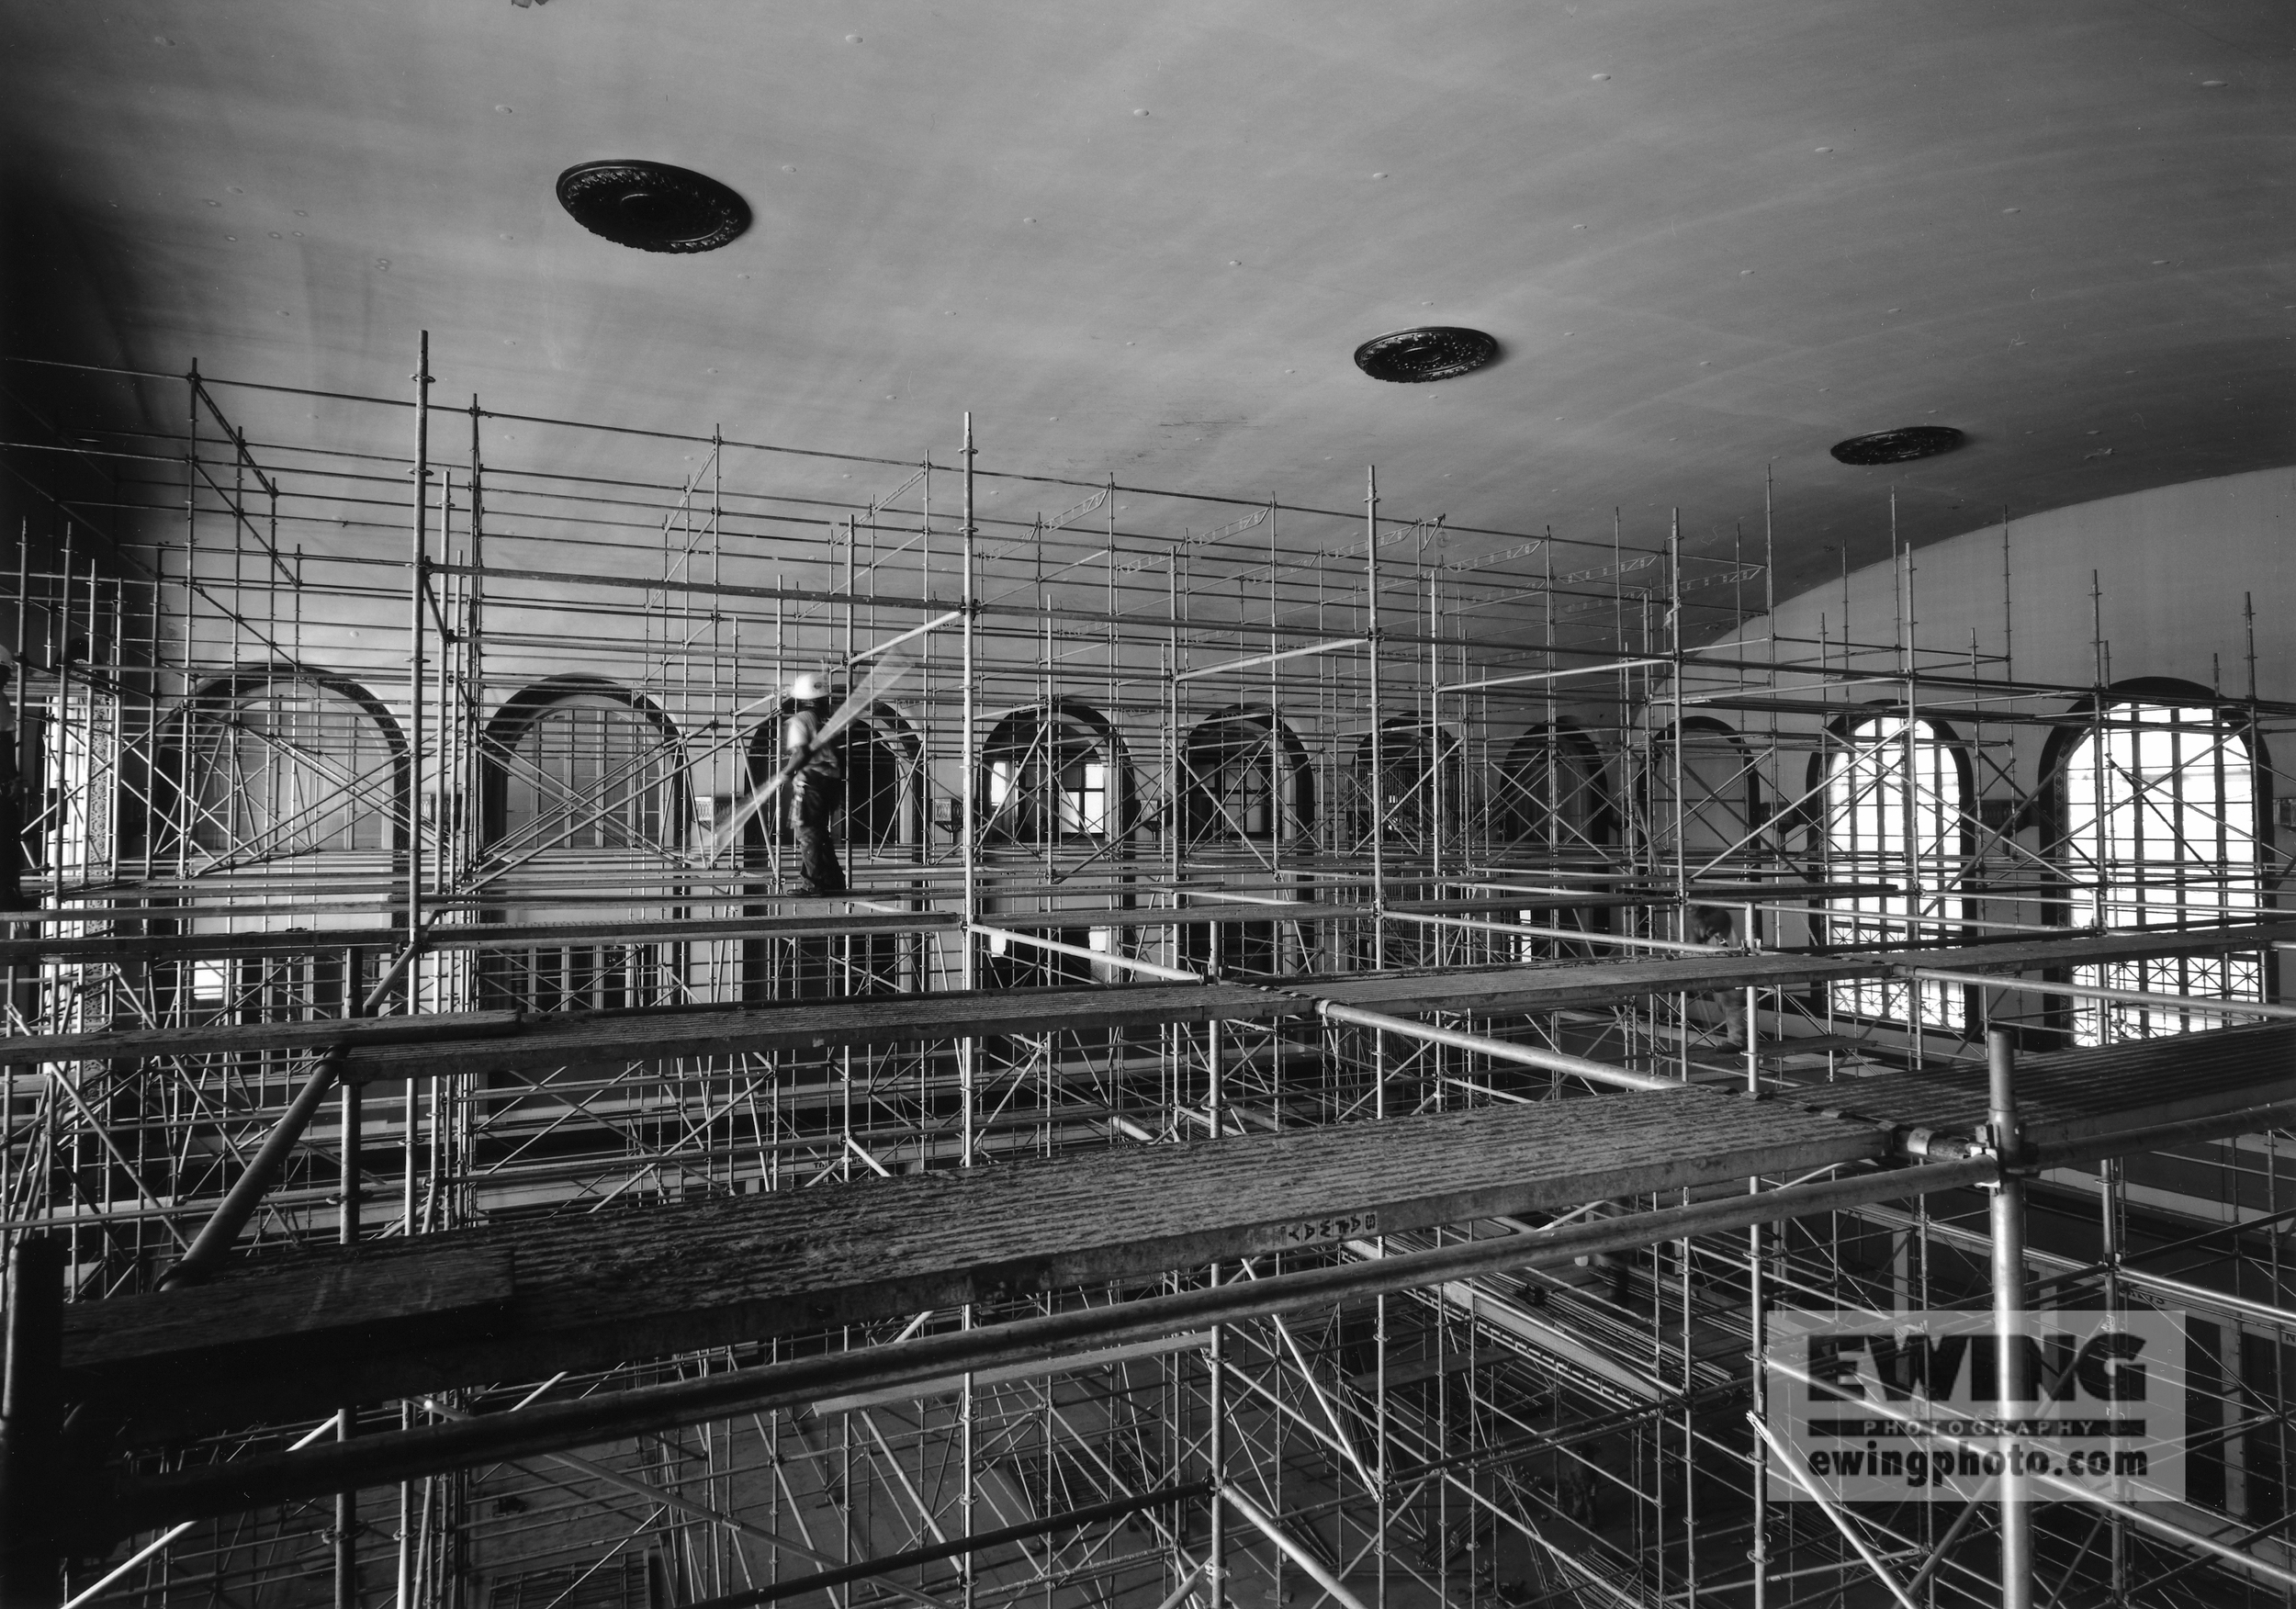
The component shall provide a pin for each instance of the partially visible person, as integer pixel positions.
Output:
(817, 783)
(1719, 925)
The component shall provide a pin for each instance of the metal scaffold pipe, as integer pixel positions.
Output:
(1314, 1566)
(2008, 1317)
(1498, 1049)
(1503, 846)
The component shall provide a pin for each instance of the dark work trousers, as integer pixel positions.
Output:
(814, 809)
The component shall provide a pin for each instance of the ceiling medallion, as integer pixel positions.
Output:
(1899, 446)
(1440, 352)
(652, 206)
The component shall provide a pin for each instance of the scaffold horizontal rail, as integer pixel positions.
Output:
(1218, 907)
(494, 1041)
(1555, 988)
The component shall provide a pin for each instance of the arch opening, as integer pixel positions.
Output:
(2155, 807)
(1893, 804)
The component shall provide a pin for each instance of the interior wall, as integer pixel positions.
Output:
(2171, 566)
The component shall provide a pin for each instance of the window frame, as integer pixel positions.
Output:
(212, 708)
(2095, 1022)
(1288, 793)
(1443, 757)
(1019, 734)
(524, 715)
(1657, 783)
(1955, 1010)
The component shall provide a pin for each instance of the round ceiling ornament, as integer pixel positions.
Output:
(1439, 352)
(1899, 446)
(652, 206)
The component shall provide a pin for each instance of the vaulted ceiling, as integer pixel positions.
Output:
(1145, 239)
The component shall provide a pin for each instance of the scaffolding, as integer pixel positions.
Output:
(314, 725)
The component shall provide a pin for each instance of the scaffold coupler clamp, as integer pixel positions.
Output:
(2005, 1152)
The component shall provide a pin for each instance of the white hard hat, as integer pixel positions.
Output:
(808, 686)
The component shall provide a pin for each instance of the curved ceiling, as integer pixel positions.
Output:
(1145, 239)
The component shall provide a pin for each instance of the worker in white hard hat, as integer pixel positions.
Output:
(817, 767)
(1717, 925)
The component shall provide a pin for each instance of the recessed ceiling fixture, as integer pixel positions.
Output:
(1898, 446)
(1439, 352)
(652, 206)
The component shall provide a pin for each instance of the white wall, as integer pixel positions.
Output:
(2172, 564)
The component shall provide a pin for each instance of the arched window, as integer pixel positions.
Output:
(277, 763)
(2156, 813)
(579, 768)
(1715, 824)
(1891, 800)
(270, 764)
(1549, 803)
(1049, 775)
(1246, 777)
(1550, 810)
(1419, 773)
(579, 763)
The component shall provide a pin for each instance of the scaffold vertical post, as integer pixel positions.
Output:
(2009, 1308)
(968, 1049)
(346, 1555)
(31, 1424)
(1216, 1449)
(1378, 780)
(417, 578)
(2110, 1208)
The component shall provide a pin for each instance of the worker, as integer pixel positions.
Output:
(1719, 925)
(816, 765)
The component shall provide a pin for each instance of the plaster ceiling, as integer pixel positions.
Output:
(1144, 238)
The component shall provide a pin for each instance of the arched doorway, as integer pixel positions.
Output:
(579, 773)
(1054, 784)
(1418, 789)
(1247, 792)
(300, 773)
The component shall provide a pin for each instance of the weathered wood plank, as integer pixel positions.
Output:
(173, 1343)
(2092, 949)
(595, 1290)
(1563, 986)
(559, 1040)
(145, 1044)
(2077, 1094)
